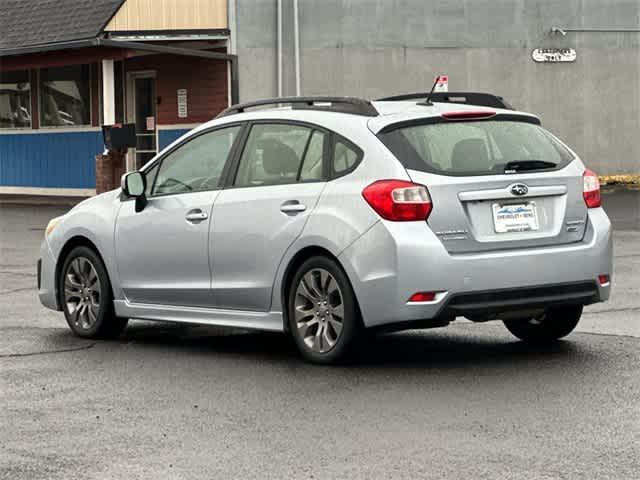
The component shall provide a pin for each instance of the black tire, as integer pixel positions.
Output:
(98, 297)
(351, 322)
(554, 324)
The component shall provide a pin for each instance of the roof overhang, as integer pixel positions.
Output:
(113, 49)
(169, 35)
(108, 42)
(49, 47)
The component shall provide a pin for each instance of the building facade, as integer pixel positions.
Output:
(68, 67)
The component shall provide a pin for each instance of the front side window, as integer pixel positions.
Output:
(196, 165)
(273, 155)
(15, 100)
(151, 174)
(481, 147)
(65, 96)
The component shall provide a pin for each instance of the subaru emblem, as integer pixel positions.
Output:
(519, 189)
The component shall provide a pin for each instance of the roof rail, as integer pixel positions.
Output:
(470, 98)
(353, 105)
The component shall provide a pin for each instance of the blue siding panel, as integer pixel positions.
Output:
(50, 160)
(166, 137)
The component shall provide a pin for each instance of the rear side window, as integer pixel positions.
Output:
(272, 155)
(474, 148)
(277, 154)
(312, 165)
(344, 157)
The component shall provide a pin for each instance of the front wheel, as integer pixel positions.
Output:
(323, 315)
(86, 297)
(552, 325)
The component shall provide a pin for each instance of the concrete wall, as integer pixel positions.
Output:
(373, 48)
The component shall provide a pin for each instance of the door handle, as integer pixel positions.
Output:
(293, 207)
(196, 216)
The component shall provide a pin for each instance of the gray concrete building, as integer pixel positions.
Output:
(372, 48)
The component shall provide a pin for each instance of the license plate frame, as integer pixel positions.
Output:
(515, 217)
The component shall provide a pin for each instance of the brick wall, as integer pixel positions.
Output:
(109, 170)
(204, 79)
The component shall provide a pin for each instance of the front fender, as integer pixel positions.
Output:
(93, 220)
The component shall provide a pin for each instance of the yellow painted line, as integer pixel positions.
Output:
(620, 179)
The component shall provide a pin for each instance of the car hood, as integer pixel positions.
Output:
(98, 201)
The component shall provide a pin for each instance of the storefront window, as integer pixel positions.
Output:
(65, 99)
(15, 100)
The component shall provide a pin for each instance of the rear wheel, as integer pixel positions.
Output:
(86, 297)
(323, 316)
(552, 325)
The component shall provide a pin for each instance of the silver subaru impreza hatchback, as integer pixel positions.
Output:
(325, 217)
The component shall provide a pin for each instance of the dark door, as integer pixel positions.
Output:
(144, 96)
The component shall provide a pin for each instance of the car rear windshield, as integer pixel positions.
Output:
(485, 147)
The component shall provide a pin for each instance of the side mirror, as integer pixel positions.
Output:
(134, 185)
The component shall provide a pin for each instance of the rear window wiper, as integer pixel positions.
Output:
(526, 165)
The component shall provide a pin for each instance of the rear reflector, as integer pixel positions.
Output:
(468, 114)
(591, 189)
(604, 280)
(399, 200)
(423, 297)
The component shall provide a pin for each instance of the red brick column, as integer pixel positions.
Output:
(109, 170)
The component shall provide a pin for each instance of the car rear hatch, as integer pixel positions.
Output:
(497, 181)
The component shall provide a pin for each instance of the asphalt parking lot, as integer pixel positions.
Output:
(167, 401)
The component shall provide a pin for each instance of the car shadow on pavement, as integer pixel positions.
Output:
(436, 348)
(455, 349)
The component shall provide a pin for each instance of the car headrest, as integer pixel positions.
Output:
(278, 158)
(470, 155)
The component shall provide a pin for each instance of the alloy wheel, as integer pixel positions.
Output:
(82, 293)
(319, 310)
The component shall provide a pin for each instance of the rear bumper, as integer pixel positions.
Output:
(494, 302)
(394, 260)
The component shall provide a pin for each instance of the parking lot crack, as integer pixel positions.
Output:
(15, 290)
(20, 274)
(614, 310)
(45, 352)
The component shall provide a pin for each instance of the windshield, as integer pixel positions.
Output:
(478, 148)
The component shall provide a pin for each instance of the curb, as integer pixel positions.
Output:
(39, 200)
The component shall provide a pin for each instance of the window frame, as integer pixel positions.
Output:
(31, 122)
(326, 142)
(40, 98)
(225, 170)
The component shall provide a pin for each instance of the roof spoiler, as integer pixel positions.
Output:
(470, 98)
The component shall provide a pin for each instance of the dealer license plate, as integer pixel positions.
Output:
(518, 217)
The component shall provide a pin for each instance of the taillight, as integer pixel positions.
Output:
(591, 190)
(398, 200)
